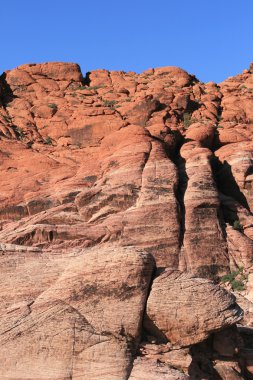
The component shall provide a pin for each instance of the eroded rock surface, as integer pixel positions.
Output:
(87, 323)
(104, 179)
(148, 369)
(185, 309)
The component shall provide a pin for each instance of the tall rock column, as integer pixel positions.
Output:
(204, 245)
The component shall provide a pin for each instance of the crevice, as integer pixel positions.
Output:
(180, 193)
(144, 332)
(192, 106)
(86, 79)
(146, 158)
(229, 186)
(73, 352)
(6, 93)
(110, 78)
(216, 141)
(181, 188)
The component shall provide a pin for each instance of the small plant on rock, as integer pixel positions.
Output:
(94, 87)
(237, 225)
(110, 103)
(19, 132)
(48, 140)
(237, 279)
(53, 106)
(30, 144)
(187, 119)
(7, 118)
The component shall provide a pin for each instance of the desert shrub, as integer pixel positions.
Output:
(53, 106)
(48, 140)
(90, 178)
(110, 103)
(187, 119)
(30, 144)
(237, 279)
(19, 132)
(7, 118)
(238, 285)
(94, 87)
(237, 225)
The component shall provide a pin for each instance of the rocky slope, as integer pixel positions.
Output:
(125, 224)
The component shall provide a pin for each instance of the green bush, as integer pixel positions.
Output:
(30, 144)
(19, 131)
(238, 285)
(237, 225)
(187, 119)
(94, 87)
(228, 277)
(236, 279)
(7, 118)
(53, 106)
(48, 140)
(110, 103)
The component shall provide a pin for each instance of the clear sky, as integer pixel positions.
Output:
(209, 38)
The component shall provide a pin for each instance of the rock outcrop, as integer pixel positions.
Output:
(185, 310)
(126, 208)
(86, 324)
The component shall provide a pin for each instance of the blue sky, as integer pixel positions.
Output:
(211, 39)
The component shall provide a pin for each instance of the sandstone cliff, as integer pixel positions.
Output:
(125, 222)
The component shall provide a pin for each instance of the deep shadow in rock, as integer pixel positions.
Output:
(226, 181)
(6, 94)
(151, 330)
(201, 366)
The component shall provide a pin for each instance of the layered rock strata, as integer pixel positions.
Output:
(123, 196)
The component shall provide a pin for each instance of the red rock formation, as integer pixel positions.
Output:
(104, 177)
(177, 307)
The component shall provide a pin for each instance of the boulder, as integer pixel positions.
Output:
(185, 309)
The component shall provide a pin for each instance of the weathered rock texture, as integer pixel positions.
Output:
(104, 179)
(73, 327)
(178, 307)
